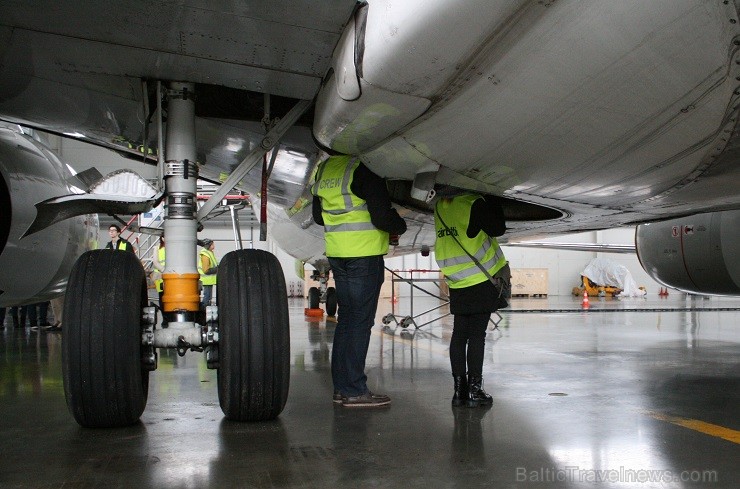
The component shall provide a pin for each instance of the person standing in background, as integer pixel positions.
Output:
(116, 241)
(207, 268)
(37, 315)
(57, 308)
(159, 262)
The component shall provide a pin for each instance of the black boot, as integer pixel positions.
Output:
(460, 396)
(477, 396)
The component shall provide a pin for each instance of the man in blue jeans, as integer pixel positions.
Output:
(353, 205)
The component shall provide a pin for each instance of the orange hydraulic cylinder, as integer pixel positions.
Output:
(181, 292)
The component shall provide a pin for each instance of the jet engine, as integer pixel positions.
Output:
(36, 267)
(698, 254)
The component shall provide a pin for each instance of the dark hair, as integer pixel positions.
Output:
(115, 226)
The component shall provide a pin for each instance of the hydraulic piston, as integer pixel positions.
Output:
(181, 292)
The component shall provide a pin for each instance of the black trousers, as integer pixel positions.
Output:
(468, 342)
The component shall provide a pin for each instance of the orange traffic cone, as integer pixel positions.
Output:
(585, 303)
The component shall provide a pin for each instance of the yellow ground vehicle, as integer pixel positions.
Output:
(595, 290)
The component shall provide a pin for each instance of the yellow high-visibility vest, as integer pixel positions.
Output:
(207, 279)
(349, 231)
(459, 269)
(159, 283)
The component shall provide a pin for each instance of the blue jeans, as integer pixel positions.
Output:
(358, 282)
(207, 294)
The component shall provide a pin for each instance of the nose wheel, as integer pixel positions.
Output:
(105, 384)
(314, 298)
(331, 301)
(254, 342)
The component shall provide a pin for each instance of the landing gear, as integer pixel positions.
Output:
(104, 382)
(331, 301)
(254, 342)
(110, 339)
(322, 293)
(314, 298)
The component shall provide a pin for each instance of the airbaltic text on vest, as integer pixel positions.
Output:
(621, 475)
(441, 232)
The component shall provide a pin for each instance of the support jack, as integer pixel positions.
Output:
(406, 322)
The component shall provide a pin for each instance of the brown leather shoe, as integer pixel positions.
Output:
(366, 400)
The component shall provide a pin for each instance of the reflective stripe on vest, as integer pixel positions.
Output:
(349, 231)
(461, 271)
(207, 279)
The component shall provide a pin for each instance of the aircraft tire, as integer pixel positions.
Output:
(331, 301)
(254, 336)
(314, 298)
(104, 383)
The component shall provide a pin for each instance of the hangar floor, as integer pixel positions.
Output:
(646, 395)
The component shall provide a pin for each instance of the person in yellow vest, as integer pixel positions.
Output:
(467, 226)
(159, 263)
(207, 268)
(353, 205)
(116, 241)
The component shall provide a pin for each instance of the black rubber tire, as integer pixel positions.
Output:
(331, 301)
(254, 336)
(104, 382)
(314, 298)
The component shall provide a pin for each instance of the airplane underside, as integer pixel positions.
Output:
(575, 115)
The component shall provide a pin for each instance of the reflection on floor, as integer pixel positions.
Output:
(578, 398)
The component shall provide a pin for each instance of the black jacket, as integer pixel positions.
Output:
(129, 246)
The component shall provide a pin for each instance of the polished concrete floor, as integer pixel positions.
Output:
(645, 395)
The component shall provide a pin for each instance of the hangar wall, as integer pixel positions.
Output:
(564, 267)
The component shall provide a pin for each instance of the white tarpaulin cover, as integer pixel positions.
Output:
(603, 271)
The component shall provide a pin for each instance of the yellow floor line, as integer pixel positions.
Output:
(700, 426)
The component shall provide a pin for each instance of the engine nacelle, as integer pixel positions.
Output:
(35, 268)
(698, 254)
